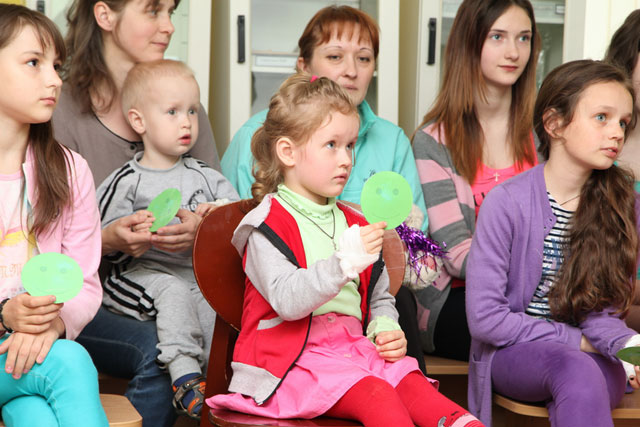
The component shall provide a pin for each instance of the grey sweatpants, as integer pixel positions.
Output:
(184, 319)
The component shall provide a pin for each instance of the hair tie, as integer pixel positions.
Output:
(313, 78)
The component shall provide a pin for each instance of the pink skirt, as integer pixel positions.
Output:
(335, 358)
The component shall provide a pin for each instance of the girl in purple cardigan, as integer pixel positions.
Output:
(549, 276)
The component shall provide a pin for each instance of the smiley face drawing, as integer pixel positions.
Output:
(386, 196)
(52, 273)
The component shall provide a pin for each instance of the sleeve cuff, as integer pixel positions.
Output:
(381, 324)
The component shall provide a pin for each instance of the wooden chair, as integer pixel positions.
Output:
(218, 270)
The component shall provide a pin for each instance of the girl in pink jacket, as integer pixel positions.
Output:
(48, 205)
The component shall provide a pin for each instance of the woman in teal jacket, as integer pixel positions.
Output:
(340, 43)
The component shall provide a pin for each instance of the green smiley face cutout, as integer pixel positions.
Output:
(164, 207)
(386, 196)
(52, 273)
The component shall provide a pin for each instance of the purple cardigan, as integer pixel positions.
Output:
(503, 271)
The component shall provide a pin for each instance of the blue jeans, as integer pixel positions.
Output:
(58, 392)
(124, 347)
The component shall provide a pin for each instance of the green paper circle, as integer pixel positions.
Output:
(386, 196)
(630, 354)
(164, 207)
(52, 273)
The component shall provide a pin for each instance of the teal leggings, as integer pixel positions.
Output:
(62, 391)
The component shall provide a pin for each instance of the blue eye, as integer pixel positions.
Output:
(525, 38)
(495, 37)
(331, 144)
(350, 146)
(601, 117)
(623, 124)
(193, 111)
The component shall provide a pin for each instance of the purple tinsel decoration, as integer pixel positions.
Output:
(419, 245)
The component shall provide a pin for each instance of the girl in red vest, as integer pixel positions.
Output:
(319, 328)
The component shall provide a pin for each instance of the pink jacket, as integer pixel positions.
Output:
(76, 233)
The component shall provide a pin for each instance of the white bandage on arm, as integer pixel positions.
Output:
(352, 254)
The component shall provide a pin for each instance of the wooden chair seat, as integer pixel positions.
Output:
(120, 412)
(218, 270)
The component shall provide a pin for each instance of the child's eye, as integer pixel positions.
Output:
(350, 146)
(331, 144)
(623, 124)
(495, 36)
(33, 63)
(57, 66)
(193, 111)
(172, 112)
(525, 38)
(601, 117)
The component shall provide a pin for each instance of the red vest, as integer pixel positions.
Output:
(276, 349)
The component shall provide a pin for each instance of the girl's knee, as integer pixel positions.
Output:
(72, 357)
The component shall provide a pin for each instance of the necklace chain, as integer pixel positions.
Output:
(567, 201)
(333, 215)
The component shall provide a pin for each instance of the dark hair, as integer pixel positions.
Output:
(337, 18)
(51, 159)
(600, 256)
(625, 44)
(454, 110)
(87, 72)
(297, 110)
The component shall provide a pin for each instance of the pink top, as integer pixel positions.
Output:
(487, 178)
(76, 233)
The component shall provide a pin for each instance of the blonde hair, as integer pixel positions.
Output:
(296, 111)
(137, 84)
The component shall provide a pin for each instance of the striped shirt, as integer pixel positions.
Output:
(552, 258)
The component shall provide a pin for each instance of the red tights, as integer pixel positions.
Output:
(374, 402)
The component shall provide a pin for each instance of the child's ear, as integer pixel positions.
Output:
(105, 17)
(553, 123)
(285, 149)
(136, 121)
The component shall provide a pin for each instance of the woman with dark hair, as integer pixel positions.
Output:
(104, 40)
(550, 270)
(477, 135)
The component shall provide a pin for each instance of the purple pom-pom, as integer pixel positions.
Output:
(418, 246)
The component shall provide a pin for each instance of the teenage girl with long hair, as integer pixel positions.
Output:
(48, 205)
(477, 135)
(551, 266)
(319, 327)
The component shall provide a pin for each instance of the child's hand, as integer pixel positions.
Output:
(371, 236)
(23, 350)
(146, 224)
(29, 314)
(391, 345)
(635, 381)
(205, 208)
(177, 237)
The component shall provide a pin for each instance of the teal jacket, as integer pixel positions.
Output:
(381, 146)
